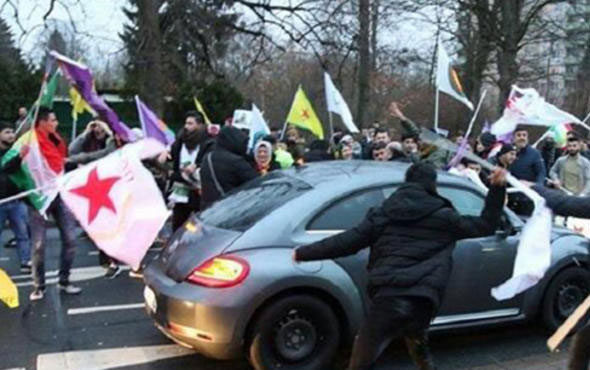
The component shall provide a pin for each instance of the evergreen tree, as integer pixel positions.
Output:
(20, 83)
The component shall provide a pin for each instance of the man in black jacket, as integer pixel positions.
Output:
(568, 205)
(187, 154)
(411, 236)
(226, 167)
(16, 210)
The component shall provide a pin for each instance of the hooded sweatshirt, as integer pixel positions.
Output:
(229, 169)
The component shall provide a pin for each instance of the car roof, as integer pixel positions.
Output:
(317, 173)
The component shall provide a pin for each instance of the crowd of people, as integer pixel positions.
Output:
(203, 164)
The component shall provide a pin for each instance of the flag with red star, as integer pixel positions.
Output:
(117, 202)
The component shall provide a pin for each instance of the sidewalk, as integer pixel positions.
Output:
(549, 361)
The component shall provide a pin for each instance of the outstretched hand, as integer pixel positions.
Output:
(395, 111)
(498, 177)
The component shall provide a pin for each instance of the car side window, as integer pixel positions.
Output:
(466, 202)
(347, 212)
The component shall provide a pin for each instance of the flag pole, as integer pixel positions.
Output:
(436, 110)
(74, 124)
(331, 127)
(35, 105)
(541, 138)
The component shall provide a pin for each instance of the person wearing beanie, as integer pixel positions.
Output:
(411, 237)
(505, 156)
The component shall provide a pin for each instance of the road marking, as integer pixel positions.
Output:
(109, 358)
(83, 310)
(76, 274)
(4, 258)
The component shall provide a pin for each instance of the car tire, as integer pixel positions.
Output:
(563, 295)
(299, 332)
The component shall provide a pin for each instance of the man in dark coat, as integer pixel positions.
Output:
(187, 154)
(412, 237)
(226, 167)
(318, 151)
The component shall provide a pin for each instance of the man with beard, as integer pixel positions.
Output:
(572, 171)
(528, 166)
(411, 237)
(187, 154)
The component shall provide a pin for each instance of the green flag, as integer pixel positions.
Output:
(49, 91)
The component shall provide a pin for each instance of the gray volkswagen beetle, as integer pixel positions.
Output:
(226, 284)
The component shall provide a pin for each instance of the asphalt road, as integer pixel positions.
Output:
(106, 328)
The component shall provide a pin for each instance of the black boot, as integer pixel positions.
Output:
(419, 352)
(580, 350)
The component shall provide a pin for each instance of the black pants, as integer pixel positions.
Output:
(580, 350)
(390, 318)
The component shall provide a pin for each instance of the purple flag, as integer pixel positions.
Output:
(81, 79)
(152, 126)
(459, 154)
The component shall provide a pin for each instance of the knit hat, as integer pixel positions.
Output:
(505, 149)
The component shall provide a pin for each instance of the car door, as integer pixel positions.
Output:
(344, 214)
(479, 264)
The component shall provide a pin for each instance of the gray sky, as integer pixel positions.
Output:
(98, 23)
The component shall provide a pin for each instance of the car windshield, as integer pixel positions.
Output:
(246, 205)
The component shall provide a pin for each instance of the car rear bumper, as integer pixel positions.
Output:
(193, 316)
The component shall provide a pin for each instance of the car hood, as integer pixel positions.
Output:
(192, 245)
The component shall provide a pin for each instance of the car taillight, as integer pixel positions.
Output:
(220, 272)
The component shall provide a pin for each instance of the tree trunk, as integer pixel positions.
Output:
(374, 32)
(508, 48)
(364, 60)
(150, 85)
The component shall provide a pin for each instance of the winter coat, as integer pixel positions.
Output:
(77, 154)
(230, 167)
(529, 166)
(564, 205)
(316, 155)
(434, 155)
(411, 236)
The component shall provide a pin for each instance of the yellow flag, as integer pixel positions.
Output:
(201, 110)
(8, 291)
(79, 105)
(302, 115)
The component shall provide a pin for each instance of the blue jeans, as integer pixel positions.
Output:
(67, 225)
(16, 213)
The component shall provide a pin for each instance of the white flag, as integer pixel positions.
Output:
(258, 125)
(526, 106)
(337, 104)
(117, 202)
(447, 79)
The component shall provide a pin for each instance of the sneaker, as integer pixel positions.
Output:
(112, 272)
(26, 268)
(37, 294)
(69, 289)
(138, 274)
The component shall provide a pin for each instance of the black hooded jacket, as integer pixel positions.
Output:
(412, 236)
(230, 167)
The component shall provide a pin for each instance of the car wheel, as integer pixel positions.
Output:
(564, 294)
(298, 332)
